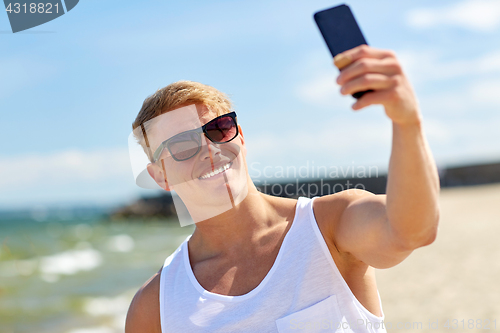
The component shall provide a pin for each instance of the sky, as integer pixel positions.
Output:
(71, 88)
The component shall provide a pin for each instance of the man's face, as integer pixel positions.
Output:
(212, 181)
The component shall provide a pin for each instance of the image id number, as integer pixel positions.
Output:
(33, 8)
(478, 324)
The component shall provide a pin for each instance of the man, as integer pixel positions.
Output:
(269, 264)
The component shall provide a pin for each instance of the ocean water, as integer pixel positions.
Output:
(78, 275)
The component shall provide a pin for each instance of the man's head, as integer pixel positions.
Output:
(173, 96)
(194, 145)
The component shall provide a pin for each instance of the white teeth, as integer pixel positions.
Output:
(216, 172)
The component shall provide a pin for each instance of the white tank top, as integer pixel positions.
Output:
(303, 292)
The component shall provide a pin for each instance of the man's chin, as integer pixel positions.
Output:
(214, 198)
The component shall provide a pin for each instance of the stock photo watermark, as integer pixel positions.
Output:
(431, 324)
(310, 179)
(25, 15)
(311, 170)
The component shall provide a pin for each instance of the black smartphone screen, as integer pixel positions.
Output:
(340, 32)
(339, 29)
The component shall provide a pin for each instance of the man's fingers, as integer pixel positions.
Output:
(367, 82)
(342, 60)
(371, 98)
(386, 66)
(345, 58)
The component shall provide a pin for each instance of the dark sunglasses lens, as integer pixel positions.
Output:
(222, 129)
(184, 146)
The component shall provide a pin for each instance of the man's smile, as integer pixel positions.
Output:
(217, 171)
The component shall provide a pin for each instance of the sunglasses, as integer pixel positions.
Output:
(185, 145)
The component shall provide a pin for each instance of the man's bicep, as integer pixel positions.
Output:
(364, 231)
(135, 315)
(143, 315)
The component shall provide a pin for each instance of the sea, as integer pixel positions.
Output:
(77, 274)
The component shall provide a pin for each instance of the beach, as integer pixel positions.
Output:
(79, 276)
(457, 277)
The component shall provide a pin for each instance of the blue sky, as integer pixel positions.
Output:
(70, 89)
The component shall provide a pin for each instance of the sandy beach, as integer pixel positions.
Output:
(457, 277)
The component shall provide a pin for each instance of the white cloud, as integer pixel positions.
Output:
(337, 141)
(459, 99)
(444, 103)
(489, 62)
(424, 66)
(462, 125)
(479, 97)
(437, 132)
(486, 92)
(319, 87)
(323, 91)
(65, 167)
(477, 15)
(471, 140)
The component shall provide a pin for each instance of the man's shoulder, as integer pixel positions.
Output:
(144, 311)
(328, 211)
(329, 208)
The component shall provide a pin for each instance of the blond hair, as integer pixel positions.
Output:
(171, 97)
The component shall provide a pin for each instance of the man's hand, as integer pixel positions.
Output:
(382, 230)
(364, 68)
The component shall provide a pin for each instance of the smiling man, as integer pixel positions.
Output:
(257, 263)
(197, 153)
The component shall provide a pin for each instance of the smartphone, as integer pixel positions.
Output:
(340, 31)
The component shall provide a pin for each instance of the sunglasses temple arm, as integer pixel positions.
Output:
(148, 148)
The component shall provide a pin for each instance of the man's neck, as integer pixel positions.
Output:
(239, 228)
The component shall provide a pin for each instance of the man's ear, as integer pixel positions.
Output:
(242, 138)
(158, 175)
(241, 134)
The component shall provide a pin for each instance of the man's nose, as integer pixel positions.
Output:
(209, 150)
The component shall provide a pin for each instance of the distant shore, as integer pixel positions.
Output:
(162, 206)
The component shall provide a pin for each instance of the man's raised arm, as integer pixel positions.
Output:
(382, 230)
